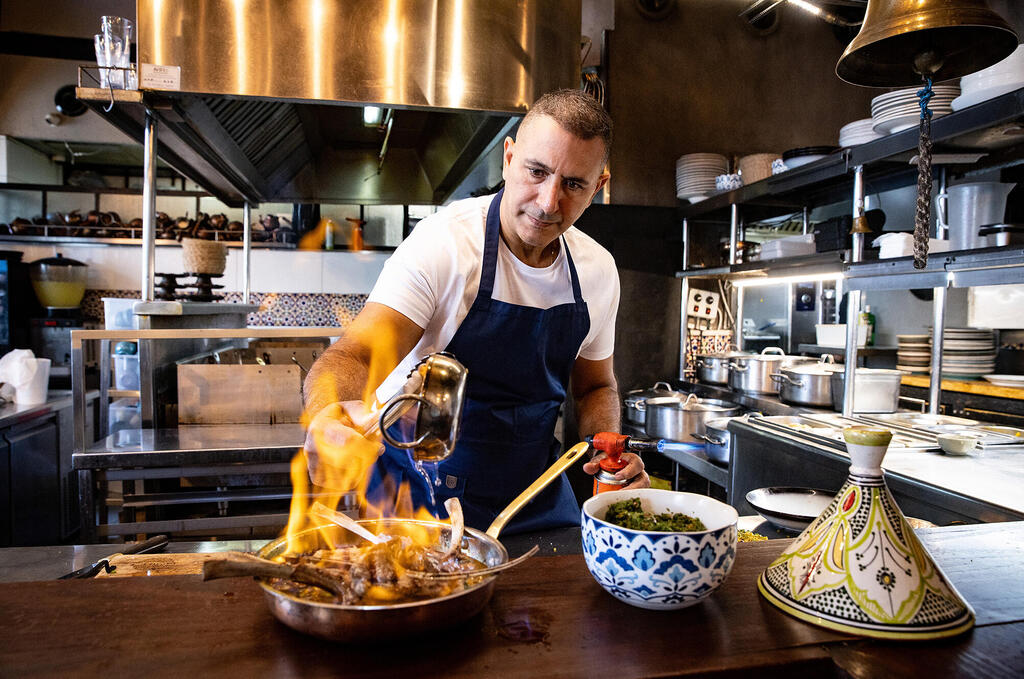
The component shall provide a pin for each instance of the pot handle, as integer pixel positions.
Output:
(667, 386)
(700, 363)
(388, 417)
(708, 439)
(773, 350)
(780, 378)
(739, 368)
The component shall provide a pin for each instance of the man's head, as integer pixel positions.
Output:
(553, 170)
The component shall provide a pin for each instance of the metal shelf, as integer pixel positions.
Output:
(89, 240)
(960, 269)
(804, 265)
(979, 127)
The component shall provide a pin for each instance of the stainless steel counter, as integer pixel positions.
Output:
(194, 445)
(57, 399)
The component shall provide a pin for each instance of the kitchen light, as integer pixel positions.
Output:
(372, 115)
(806, 6)
(782, 280)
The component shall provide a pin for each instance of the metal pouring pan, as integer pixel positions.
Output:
(352, 623)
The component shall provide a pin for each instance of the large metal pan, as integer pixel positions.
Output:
(352, 623)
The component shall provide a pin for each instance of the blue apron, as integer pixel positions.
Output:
(519, 360)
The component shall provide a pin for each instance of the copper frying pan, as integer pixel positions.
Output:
(339, 622)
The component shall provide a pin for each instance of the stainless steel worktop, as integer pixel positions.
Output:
(194, 445)
(57, 399)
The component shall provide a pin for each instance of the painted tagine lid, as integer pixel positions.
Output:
(859, 568)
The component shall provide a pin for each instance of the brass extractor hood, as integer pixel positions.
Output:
(270, 93)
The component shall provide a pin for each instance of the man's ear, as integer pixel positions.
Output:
(507, 154)
(601, 181)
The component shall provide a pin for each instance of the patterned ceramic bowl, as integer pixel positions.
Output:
(657, 570)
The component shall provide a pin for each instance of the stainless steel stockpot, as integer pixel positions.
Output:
(714, 368)
(634, 413)
(678, 419)
(753, 374)
(716, 439)
(809, 385)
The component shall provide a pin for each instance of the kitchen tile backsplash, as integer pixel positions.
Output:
(276, 309)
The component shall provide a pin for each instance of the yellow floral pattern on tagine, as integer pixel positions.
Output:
(860, 568)
(818, 561)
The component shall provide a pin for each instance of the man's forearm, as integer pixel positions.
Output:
(340, 374)
(598, 410)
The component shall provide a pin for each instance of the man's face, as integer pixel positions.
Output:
(550, 178)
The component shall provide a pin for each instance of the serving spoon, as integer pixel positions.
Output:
(345, 521)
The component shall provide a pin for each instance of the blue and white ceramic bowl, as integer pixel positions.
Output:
(656, 570)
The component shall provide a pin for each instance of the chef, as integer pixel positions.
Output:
(519, 296)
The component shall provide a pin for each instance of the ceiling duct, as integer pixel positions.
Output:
(264, 97)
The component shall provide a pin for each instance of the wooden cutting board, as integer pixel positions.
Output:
(133, 565)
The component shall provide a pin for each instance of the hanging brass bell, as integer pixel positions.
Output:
(901, 40)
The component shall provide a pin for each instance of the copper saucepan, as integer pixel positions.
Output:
(340, 622)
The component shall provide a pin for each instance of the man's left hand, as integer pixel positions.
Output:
(634, 470)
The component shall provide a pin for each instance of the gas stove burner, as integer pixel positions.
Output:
(201, 297)
(204, 288)
(166, 285)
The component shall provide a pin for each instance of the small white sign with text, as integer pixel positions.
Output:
(157, 77)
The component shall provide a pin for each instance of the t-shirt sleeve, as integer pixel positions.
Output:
(408, 282)
(604, 307)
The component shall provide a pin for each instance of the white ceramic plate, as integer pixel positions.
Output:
(978, 96)
(791, 509)
(1016, 381)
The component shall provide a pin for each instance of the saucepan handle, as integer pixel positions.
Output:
(782, 378)
(387, 418)
(552, 472)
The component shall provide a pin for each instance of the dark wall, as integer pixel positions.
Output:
(702, 81)
(647, 245)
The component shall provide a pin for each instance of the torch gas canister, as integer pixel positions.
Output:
(605, 478)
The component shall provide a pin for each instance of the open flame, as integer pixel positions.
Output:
(345, 467)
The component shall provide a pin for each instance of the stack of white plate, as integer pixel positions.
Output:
(988, 83)
(914, 353)
(968, 352)
(858, 132)
(901, 110)
(695, 175)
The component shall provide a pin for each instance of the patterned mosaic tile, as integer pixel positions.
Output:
(276, 309)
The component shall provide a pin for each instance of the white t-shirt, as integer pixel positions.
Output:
(434, 275)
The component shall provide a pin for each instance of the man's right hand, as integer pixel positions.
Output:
(338, 456)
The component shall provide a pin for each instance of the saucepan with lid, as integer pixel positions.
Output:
(807, 384)
(753, 374)
(714, 368)
(635, 414)
(683, 419)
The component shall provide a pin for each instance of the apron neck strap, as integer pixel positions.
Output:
(492, 239)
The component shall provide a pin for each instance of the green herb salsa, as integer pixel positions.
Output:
(630, 514)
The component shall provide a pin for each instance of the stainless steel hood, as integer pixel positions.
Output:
(264, 99)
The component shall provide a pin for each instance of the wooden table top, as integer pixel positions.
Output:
(548, 617)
